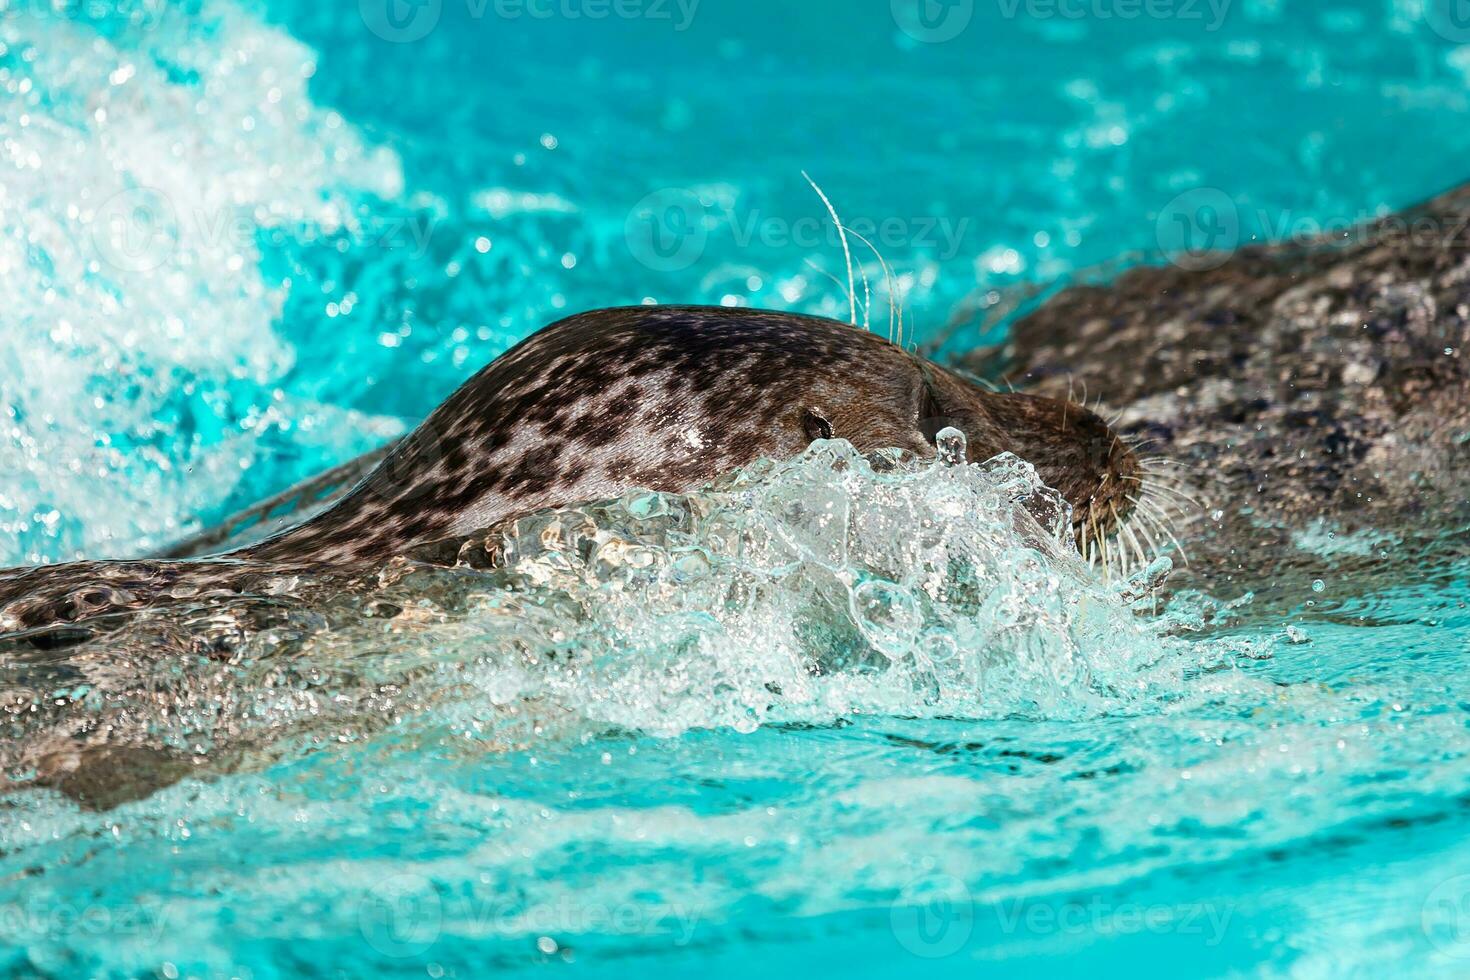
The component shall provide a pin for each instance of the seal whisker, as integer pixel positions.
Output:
(1184, 464)
(1144, 526)
(1102, 542)
(1161, 477)
(846, 251)
(913, 331)
(985, 383)
(1126, 532)
(1159, 507)
(1161, 522)
(887, 283)
(1195, 469)
(835, 281)
(1173, 491)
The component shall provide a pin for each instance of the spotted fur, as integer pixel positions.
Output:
(668, 398)
(660, 398)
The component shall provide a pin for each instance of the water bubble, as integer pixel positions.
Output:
(812, 589)
(1318, 585)
(951, 446)
(933, 917)
(888, 616)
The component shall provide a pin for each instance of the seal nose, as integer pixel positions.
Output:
(1074, 451)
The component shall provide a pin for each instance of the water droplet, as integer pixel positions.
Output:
(888, 616)
(950, 444)
(1318, 585)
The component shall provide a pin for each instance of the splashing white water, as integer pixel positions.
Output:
(144, 152)
(817, 589)
(809, 590)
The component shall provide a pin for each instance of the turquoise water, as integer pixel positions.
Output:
(246, 241)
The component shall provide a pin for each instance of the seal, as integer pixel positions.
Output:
(1308, 390)
(659, 398)
(669, 398)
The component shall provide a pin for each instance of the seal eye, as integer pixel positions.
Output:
(932, 419)
(815, 426)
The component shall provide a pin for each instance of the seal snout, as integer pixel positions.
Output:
(1076, 452)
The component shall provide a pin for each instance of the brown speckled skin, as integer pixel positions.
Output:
(668, 398)
(1302, 383)
(663, 398)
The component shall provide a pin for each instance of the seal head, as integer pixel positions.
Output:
(669, 398)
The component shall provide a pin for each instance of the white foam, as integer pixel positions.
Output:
(142, 155)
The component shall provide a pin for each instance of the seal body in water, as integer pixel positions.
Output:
(659, 398)
(669, 398)
(1307, 402)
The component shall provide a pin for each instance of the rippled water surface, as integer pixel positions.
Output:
(821, 717)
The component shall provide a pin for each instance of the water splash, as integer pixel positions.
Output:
(825, 587)
(147, 149)
(829, 586)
